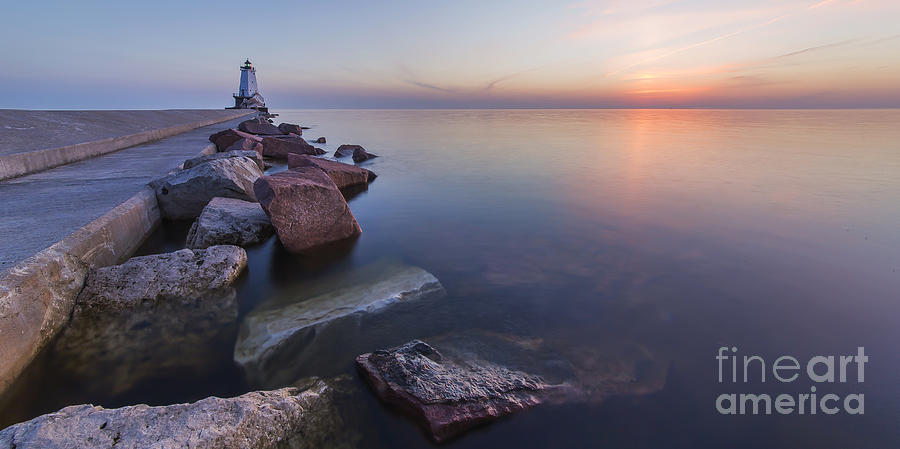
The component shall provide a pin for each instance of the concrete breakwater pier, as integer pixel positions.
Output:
(94, 213)
(33, 141)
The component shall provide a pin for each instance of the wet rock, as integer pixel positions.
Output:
(343, 175)
(448, 398)
(160, 277)
(472, 377)
(290, 128)
(247, 144)
(280, 147)
(152, 316)
(346, 150)
(320, 140)
(358, 152)
(286, 418)
(193, 162)
(306, 208)
(224, 139)
(185, 193)
(287, 335)
(362, 156)
(229, 221)
(259, 127)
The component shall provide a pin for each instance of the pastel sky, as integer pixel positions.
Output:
(459, 54)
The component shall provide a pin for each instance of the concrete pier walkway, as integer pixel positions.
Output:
(33, 141)
(40, 209)
(24, 130)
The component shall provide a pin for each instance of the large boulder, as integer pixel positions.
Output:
(467, 378)
(184, 194)
(259, 127)
(290, 128)
(447, 397)
(225, 139)
(193, 162)
(306, 208)
(160, 277)
(152, 316)
(229, 221)
(292, 417)
(286, 335)
(247, 144)
(280, 147)
(343, 175)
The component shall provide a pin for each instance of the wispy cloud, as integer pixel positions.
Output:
(429, 86)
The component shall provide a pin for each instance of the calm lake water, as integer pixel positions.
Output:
(680, 231)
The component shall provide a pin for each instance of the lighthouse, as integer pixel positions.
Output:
(247, 96)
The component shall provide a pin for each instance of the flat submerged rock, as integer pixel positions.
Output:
(278, 338)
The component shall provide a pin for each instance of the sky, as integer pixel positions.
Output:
(460, 54)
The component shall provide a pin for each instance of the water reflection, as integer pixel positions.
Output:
(598, 231)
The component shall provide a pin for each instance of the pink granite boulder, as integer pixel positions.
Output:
(306, 208)
(280, 147)
(290, 128)
(227, 138)
(259, 127)
(343, 175)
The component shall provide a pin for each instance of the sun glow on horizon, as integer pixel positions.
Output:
(591, 53)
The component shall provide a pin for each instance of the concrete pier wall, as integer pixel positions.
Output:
(14, 164)
(37, 295)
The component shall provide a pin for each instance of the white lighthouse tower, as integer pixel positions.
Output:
(247, 96)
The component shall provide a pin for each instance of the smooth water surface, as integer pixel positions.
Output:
(677, 230)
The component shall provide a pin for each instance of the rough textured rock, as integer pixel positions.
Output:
(358, 152)
(247, 144)
(306, 208)
(259, 127)
(346, 150)
(290, 128)
(185, 193)
(224, 155)
(151, 316)
(160, 277)
(280, 147)
(473, 377)
(285, 335)
(229, 221)
(227, 138)
(320, 140)
(295, 418)
(448, 398)
(343, 175)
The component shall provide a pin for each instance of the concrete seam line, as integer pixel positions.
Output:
(21, 164)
